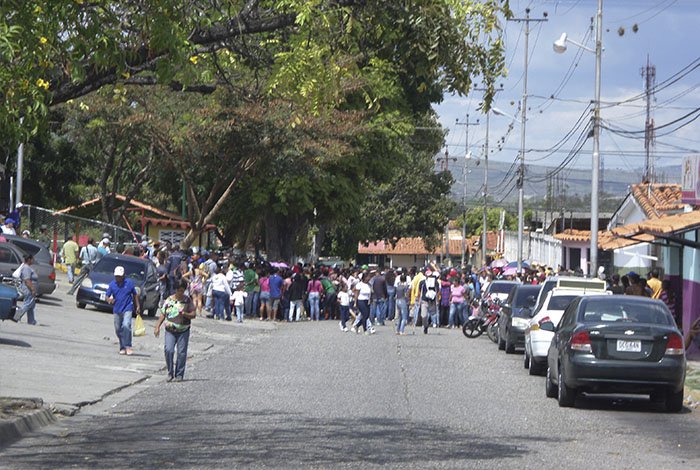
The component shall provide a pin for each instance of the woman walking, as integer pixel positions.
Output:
(402, 289)
(221, 291)
(195, 278)
(363, 293)
(457, 303)
(265, 300)
(314, 290)
(177, 313)
(29, 286)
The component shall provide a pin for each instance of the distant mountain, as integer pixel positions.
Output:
(502, 179)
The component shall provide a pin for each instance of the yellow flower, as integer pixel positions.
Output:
(41, 83)
(194, 59)
(43, 40)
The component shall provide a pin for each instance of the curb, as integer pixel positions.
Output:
(15, 428)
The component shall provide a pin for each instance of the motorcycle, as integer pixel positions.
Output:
(486, 322)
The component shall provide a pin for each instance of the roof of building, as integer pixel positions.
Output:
(631, 234)
(409, 246)
(657, 198)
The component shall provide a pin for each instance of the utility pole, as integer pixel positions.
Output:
(464, 185)
(596, 142)
(649, 74)
(20, 171)
(484, 235)
(446, 167)
(521, 176)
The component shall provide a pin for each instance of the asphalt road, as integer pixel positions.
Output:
(308, 395)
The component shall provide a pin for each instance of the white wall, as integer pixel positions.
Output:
(632, 257)
(538, 248)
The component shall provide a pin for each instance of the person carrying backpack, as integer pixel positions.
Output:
(429, 288)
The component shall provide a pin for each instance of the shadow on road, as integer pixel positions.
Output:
(14, 342)
(215, 438)
(626, 403)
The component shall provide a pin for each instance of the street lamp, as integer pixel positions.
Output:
(560, 48)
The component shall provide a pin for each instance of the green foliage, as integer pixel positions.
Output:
(475, 220)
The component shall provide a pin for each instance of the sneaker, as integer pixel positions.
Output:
(367, 333)
(129, 351)
(122, 351)
(425, 329)
(170, 378)
(179, 379)
(434, 325)
(353, 329)
(372, 331)
(345, 330)
(340, 325)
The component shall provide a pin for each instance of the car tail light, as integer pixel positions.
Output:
(674, 347)
(52, 276)
(581, 341)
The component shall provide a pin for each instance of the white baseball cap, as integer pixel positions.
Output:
(119, 271)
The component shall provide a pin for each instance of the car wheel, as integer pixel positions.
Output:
(509, 346)
(80, 305)
(674, 401)
(526, 360)
(565, 395)
(549, 388)
(501, 343)
(535, 368)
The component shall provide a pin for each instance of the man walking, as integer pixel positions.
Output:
(428, 298)
(122, 295)
(379, 295)
(88, 257)
(276, 283)
(69, 253)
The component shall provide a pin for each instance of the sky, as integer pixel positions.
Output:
(668, 33)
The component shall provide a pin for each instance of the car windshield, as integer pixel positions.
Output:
(132, 270)
(620, 309)
(523, 294)
(34, 250)
(560, 302)
(501, 288)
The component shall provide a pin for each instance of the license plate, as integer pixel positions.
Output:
(624, 345)
(103, 297)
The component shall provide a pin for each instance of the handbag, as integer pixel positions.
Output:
(139, 326)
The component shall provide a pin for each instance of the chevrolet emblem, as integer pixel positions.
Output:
(629, 332)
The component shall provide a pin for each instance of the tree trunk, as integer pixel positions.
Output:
(280, 235)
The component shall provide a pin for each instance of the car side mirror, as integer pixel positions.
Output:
(548, 326)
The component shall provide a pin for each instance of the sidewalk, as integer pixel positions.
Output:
(692, 383)
(70, 359)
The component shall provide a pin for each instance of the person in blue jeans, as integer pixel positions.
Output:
(122, 295)
(177, 313)
(402, 291)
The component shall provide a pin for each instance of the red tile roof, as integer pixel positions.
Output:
(656, 198)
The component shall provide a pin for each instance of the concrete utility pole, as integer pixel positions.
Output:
(446, 167)
(464, 185)
(521, 176)
(596, 141)
(649, 74)
(484, 237)
(20, 171)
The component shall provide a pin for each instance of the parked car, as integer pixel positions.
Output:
(616, 344)
(499, 290)
(141, 271)
(551, 310)
(37, 249)
(569, 282)
(8, 298)
(11, 256)
(515, 317)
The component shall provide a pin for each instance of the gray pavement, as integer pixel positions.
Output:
(307, 395)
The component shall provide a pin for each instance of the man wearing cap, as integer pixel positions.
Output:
(122, 295)
(103, 248)
(9, 227)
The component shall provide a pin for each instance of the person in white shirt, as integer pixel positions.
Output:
(238, 300)
(344, 300)
(9, 227)
(221, 292)
(363, 293)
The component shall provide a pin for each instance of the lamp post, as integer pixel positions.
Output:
(560, 48)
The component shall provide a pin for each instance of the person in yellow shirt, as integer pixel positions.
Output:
(415, 292)
(69, 253)
(654, 284)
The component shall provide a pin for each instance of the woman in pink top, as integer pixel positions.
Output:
(265, 302)
(314, 288)
(457, 303)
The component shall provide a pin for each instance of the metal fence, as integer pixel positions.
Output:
(51, 228)
(539, 248)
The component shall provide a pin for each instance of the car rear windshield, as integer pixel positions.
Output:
(501, 288)
(560, 302)
(522, 294)
(131, 269)
(621, 309)
(34, 250)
